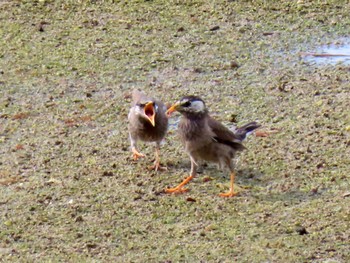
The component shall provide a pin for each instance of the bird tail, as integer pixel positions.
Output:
(243, 131)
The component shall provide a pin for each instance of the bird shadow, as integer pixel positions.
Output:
(245, 176)
(249, 179)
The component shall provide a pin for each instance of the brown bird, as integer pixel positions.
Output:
(206, 139)
(147, 122)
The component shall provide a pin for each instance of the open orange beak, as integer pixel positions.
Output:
(172, 109)
(150, 113)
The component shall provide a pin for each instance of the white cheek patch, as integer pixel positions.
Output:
(138, 110)
(197, 106)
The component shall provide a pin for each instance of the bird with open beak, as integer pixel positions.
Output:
(207, 139)
(147, 122)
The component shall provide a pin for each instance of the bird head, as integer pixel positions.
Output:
(189, 106)
(147, 110)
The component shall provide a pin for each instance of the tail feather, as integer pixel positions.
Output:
(243, 131)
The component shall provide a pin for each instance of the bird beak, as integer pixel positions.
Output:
(172, 109)
(150, 113)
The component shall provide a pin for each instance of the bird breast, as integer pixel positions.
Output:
(194, 134)
(141, 128)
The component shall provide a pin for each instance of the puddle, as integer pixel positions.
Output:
(174, 122)
(330, 54)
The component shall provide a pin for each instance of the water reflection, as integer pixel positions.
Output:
(330, 54)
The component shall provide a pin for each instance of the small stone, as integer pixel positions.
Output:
(197, 70)
(234, 65)
(301, 230)
(181, 29)
(91, 245)
(79, 219)
(233, 118)
(107, 174)
(190, 199)
(214, 28)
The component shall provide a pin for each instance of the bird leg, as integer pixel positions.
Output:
(156, 166)
(135, 154)
(230, 193)
(179, 188)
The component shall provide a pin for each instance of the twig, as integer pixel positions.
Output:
(320, 55)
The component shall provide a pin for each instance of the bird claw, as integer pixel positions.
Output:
(228, 194)
(157, 167)
(136, 155)
(180, 188)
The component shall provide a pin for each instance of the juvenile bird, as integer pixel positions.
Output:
(147, 122)
(207, 139)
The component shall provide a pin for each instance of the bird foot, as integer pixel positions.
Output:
(157, 167)
(137, 155)
(176, 190)
(228, 194)
(180, 188)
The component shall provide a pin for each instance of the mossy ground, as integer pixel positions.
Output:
(69, 190)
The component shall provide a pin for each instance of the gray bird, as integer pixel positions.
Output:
(147, 122)
(207, 139)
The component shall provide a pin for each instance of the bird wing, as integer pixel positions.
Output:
(223, 135)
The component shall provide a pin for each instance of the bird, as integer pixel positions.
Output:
(207, 139)
(147, 122)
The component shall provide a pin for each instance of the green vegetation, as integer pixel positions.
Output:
(69, 189)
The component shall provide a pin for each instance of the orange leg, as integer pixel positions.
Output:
(156, 166)
(230, 193)
(179, 188)
(136, 155)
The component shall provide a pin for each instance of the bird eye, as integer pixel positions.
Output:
(186, 104)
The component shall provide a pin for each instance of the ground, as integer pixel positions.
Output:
(70, 191)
